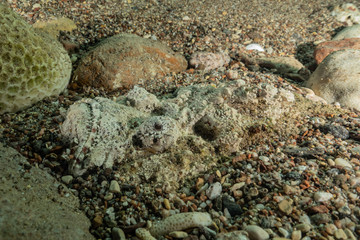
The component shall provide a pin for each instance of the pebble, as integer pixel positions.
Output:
(284, 232)
(340, 234)
(255, 46)
(109, 196)
(167, 204)
(330, 228)
(286, 206)
(67, 179)
(178, 234)
(114, 187)
(97, 221)
(296, 235)
(349, 234)
(235, 235)
(340, 162)
(233, 208)
(256, 233)
(322, 196)
(303, 227)
(118, 234)
(214, 190)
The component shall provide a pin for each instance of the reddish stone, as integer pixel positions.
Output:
(325, 48)
(124, 60)
(318, 209)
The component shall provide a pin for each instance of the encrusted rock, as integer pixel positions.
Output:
(124, 60)
(208, 61)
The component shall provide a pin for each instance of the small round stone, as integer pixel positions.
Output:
(256, 233)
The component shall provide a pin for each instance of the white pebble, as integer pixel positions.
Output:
(322, 196)
(214, 190)
(255, 46)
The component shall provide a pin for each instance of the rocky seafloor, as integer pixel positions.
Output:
(296, 178)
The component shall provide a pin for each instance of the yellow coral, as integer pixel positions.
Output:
(32, 65)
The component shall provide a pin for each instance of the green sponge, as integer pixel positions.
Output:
(32, 64)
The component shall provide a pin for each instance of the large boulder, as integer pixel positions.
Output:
(33, 65)
(348, 32)
(327, 47)
(124, 60)
(337, 78)
(32, 207)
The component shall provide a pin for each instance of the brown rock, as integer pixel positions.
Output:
(124, 60)
(318, 209)
(325, 48)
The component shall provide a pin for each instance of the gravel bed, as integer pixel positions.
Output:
(305, 186)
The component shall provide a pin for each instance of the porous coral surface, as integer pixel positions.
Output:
(32, 65)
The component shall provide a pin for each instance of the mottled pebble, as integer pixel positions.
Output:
(235, 235)
(256, 233)
(114, 187)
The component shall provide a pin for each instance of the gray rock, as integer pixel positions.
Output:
(336, 131)
(118, 234)
(32, 208)
(256, 233)
(336, 80)
(348, 32)
(114, 187)
(67, 179)
(281, 64)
